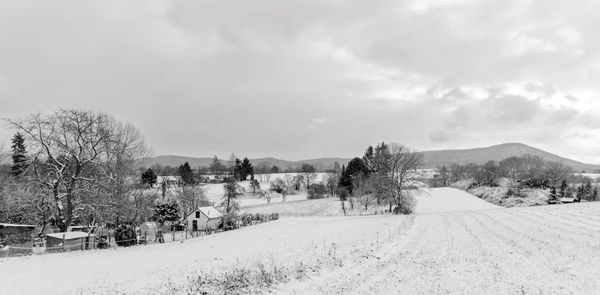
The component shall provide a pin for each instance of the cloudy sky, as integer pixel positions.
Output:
(303, 79)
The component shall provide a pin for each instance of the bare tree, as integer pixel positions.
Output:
(190, 198)
(308, 171)
(83, 160)
(403, 177)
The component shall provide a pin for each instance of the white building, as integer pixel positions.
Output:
(204, 218)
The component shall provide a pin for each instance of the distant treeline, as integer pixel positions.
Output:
(527, 170)
(220, 168)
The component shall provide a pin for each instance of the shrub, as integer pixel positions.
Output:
(229, 221)
(317, 191)
(125, 235)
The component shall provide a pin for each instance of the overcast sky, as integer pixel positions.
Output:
(304, 79)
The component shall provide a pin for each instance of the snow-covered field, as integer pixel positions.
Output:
(533, 250)
(433, 201)
(214, 191)
(150, 269)
(456, 245)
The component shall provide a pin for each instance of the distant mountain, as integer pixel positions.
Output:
(320, 164)
(433, 159)
(175, 161)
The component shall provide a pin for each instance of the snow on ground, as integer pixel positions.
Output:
(214, 191)
(145, 269)
(533, 250)
(456, 245)
(439, 200)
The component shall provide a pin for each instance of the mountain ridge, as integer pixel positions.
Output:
(431, 159)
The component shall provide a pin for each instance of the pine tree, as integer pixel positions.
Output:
(553, 195)
(275, 169)
(238, 170)
(149, 177)
(345, 179)
(216, 167)
(369, 158)
(563, 189)
(186, 173)
(19, 156)
(247, 169)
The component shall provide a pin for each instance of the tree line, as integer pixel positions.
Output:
(527, 170)
(386, 173)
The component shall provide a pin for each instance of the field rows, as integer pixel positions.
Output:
(536, 250)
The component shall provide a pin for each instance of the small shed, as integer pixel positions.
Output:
(204, 218)
(70, 241)
(16, 234)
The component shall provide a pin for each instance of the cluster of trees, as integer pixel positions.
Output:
(387, 173)
(69, 167)
(583, 191)
(528, 170)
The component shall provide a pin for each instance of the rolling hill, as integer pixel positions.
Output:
(431, 159)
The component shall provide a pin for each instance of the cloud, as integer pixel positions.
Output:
(315, 78)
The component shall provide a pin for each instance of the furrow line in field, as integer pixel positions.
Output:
(414, 269)
(505, 259)
(535, 226)
(571, 212)
(355, 272)
(571, 231)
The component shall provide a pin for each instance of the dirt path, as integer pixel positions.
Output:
(536, 250)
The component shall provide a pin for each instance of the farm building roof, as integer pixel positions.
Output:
(69, 235)
(15, 225)
(210, 212)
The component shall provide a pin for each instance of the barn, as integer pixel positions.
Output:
(20, 235)
(204, 218)
(70, 241)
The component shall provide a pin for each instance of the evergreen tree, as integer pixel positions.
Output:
(563, 189)
(345, 180)
(165, 212)
(238, 170)
(553, 196)
(19, 156)
(216, 167)
(247, 169)
(275, 169)
(588, 190)
(149, 177)
(186, 173)
(369, 158)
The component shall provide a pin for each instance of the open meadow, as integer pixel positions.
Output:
(454, 244)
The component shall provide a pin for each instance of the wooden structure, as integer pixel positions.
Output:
(20, 235)
(69, 241)
(204, 218)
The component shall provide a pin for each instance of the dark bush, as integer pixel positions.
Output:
(317, 191)
(229, 221)
(125, 235)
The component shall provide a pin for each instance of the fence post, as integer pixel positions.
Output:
(333, 251)
(63, 243)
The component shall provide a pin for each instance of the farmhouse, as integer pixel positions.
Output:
(16, 234)
(69, 241)
(204, 218)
